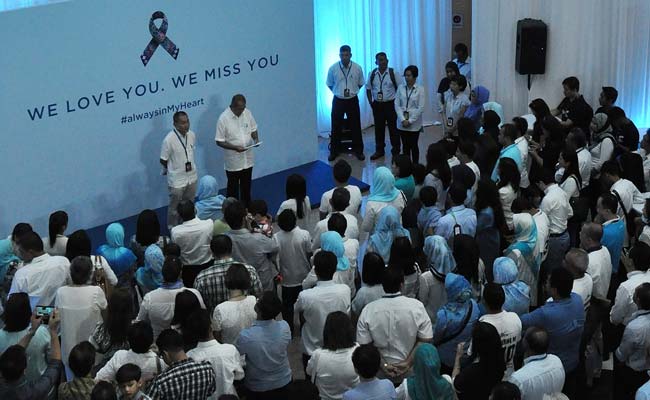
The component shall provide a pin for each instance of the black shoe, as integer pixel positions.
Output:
(332, 156)
(360, 156)
(378, 154)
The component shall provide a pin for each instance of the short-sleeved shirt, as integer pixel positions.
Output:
(453, 104)
(376, 389)
(383, 83)
(173, 151)
(508, 325)
(627, 135)
(340, 77)
(578, 111)
(231, 317)
(352, 208)
(236, 131)
(293, 259)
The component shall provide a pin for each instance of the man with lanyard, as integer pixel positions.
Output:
(344, 79)
(237, 135)
(177, 159)
(381, 96)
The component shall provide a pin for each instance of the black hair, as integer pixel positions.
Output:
(539, 108)
(457, 192)
(572, 83)
(200, 322)
(258, 207)
(462, 174)
(78, 245)
(140, 336)
(494, 295)
(461, 48)
(615, 113)
(269, 306)
(562, 281)
(147, 231)
(172, 250)
(450, 147)
(555, 129)
(510, 131)
(81, 269)
(453, 66)
(392, 279)
(508, 173)
(609, 202)
(640, 255)
(103, 391)
(642, 293)
(610, 93)
(437, 161)
(486, 344)
(466, 253)
(460, 80)
(611, 167)
(58, 221)
(237, 98)
(413, 70)
(338, 332)
(487, 195)
(171, 269)
(340, 199)
(82, 359)
(30, 241)
(366, 360)
(221, 245)
(179, 114)
(505, 391)
(381, 54)
(237, 277)
(373, 269)
(325, 265)
(402, 255)
(579, 137)
(428, 196)
(13, 363)
(186, 210)
(468, 148)
(127, 373)
(287, 220)
(521, 124)
(185, 304)
(337, 223)
(18, 312)
(466, 130)
(570, 156)
(521, 204)
(491, 120)
(301, 389)
(404, 164)
(234, 215)
(345, 47)
(537, 339)
(119, 314)
(170, 340)
(341, 171)
(296, 188)
(19, 230)
(419, 173)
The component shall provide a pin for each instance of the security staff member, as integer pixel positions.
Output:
(380, 90)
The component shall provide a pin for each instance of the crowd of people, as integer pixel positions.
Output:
(510, 265)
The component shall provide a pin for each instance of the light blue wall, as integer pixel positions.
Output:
(96, 168)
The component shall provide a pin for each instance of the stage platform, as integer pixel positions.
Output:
(270, 188)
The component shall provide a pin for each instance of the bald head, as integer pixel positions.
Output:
(590, 235)
(536, 341)
(577, 262)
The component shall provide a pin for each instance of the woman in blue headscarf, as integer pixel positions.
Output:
(440, 262)
(517, 292)
(426, 383)
(523, 252)
(208, 200)
(149, 276)
(478, 96)
(382, 193)
(389, 227)
(332, 241)
(455, 319)
(119, 257)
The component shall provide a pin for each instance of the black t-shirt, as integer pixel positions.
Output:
(578, 111)
(444, 85)
(475, 382)
(627, 135)
(603, 109)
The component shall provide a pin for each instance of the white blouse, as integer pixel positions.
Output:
(410, 100)
(304, 222)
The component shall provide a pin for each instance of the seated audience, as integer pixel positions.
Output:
(110, 335)
(339, 201)
(122, 260)
(208, 200)
(193, 237)
(382, 193)
(129, 381)
(238, 312)
(402, 169)
(371, 278)
(341, 172)
(431, 287)
(429, 214)
(426, 381)
(388, 228)
(459, 219)
(366, 360)
(298, 201)
(517, 293)
(80, 362)
(56, 243)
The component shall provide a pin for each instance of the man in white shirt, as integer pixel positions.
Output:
(157, 306)
(41, 275)
(193, 236)
(236, 134)
(177, 159)
(624, 306)
(341, 172)
(381, 97)
(224, 358)
(542, 373)
(465, 154)
(395, 324)
(315, 304)
(339, 203)
(463, 60)
(576, 261)
(555, 204)
(345, 79)
(578, 138)
(626, 193)
(600, 262)
(507, 323)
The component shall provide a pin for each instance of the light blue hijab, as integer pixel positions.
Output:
(517, 292)
(208, 200)
(7, 256)
(150, 276)
(459, 301)
(332, 241)
(119, 257)
(439, 256)
(383, 186)
(525, 240)
(389, 226)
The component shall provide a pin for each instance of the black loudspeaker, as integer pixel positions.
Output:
(531, 46)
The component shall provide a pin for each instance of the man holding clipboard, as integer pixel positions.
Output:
(237, 135)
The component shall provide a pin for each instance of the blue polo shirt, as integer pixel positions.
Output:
(613, 239)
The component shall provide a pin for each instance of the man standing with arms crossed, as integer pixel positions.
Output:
(177, 159)
(344, 79)
(381, 96)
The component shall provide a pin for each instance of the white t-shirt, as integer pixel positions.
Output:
(600, 270)
(157, 307)
(374, 207)
(59, 245)
(236, 131)
(351, 230)
(41, 278)
(508, 325)
(353, 207)
(332, 372)
(583, 287)
(193, 237)
(231, 317)
(173, 152)
(225, 361)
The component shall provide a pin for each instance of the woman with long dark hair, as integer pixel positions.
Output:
(570, 181)
(546, 152)
(402, 255)
(371, 276)
(490, 222)
(147, 232)
(508, 185)
(540, 110)
(55, 243)
(79, 245)
(185, 304)
(438, 172)
(469, 264)
(110, 335)
(297, 200)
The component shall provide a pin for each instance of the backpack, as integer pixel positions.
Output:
(391, 72)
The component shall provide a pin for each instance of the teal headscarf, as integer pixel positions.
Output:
(119, 257)
(426, 382)
(7, 256)
(439, 256)
(525, 240)
(150, 276)
(389, 226)
(383, 186)
(332, 241)
(517, 292)
(208, 200)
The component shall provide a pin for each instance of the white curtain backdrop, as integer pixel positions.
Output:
(414, 32)
(602, 42)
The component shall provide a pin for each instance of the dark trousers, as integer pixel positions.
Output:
(384, 114)
(190, 272)
(275, 394)
(349, 108)
(289, 297)
(626, 380)
(570, 383)
(410, 144)
(239, 185)
(305, 361)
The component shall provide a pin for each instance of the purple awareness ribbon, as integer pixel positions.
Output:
(159, 38)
